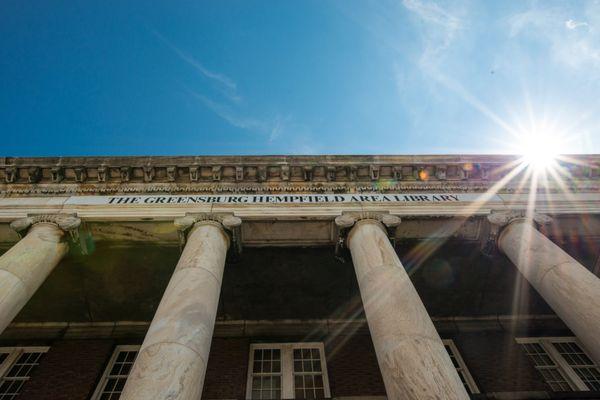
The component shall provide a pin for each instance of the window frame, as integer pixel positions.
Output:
(113, 358)
(287, 366)
(566, 370)
(14, 352)
(464, 370)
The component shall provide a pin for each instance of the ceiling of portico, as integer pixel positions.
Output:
(125, 283)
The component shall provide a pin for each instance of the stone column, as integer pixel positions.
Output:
(171, 363)
(568, 287)
(28, 263)
(411, 356)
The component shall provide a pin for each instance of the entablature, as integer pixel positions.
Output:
(270, 174)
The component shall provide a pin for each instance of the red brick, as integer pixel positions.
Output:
(69, 371)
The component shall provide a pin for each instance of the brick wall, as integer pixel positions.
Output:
(69, 371)
(352, 367)
(227, 369)
(72, 368)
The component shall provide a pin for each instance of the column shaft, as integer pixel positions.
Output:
(411, 356)
(171, 363)
(568, 287)
(26, 265)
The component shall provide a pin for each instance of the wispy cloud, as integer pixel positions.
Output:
(433, 13)
(231, 109)
(568, 43)
(439, 29)
(226, 85)
(271, 128)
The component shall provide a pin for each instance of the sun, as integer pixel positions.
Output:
(540, 149)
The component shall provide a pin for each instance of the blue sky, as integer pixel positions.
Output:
(291, 77)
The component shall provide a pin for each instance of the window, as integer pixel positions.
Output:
(563, 363)
(461, 367)
(16, 365)
(116, 373)
(287, 370)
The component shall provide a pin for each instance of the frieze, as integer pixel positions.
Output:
(269, 174)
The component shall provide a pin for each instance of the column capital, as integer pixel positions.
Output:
(227, 221)
(504, 218)
(347, 221)
(500, 220)
(66, 222)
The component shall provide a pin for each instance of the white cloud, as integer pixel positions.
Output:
(570, 24)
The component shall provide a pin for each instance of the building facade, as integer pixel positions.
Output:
(346, 277)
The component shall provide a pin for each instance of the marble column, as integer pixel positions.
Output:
(25, 266)
(171, 363)
(411, 356)
(568, 287)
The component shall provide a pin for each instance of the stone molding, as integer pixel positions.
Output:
(268, 173)
(252, 328)
(229, 222)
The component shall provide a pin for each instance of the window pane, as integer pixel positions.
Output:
(316, 365)
(276, 366)
(318, 381)
(266, 366)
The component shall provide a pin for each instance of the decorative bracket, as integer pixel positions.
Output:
(149, 173)
(499, 220)
(103, 173)
(230, 223)
(346, 221)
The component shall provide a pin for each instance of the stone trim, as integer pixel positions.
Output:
(513, 324)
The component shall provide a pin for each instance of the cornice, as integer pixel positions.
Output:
(269, 174)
